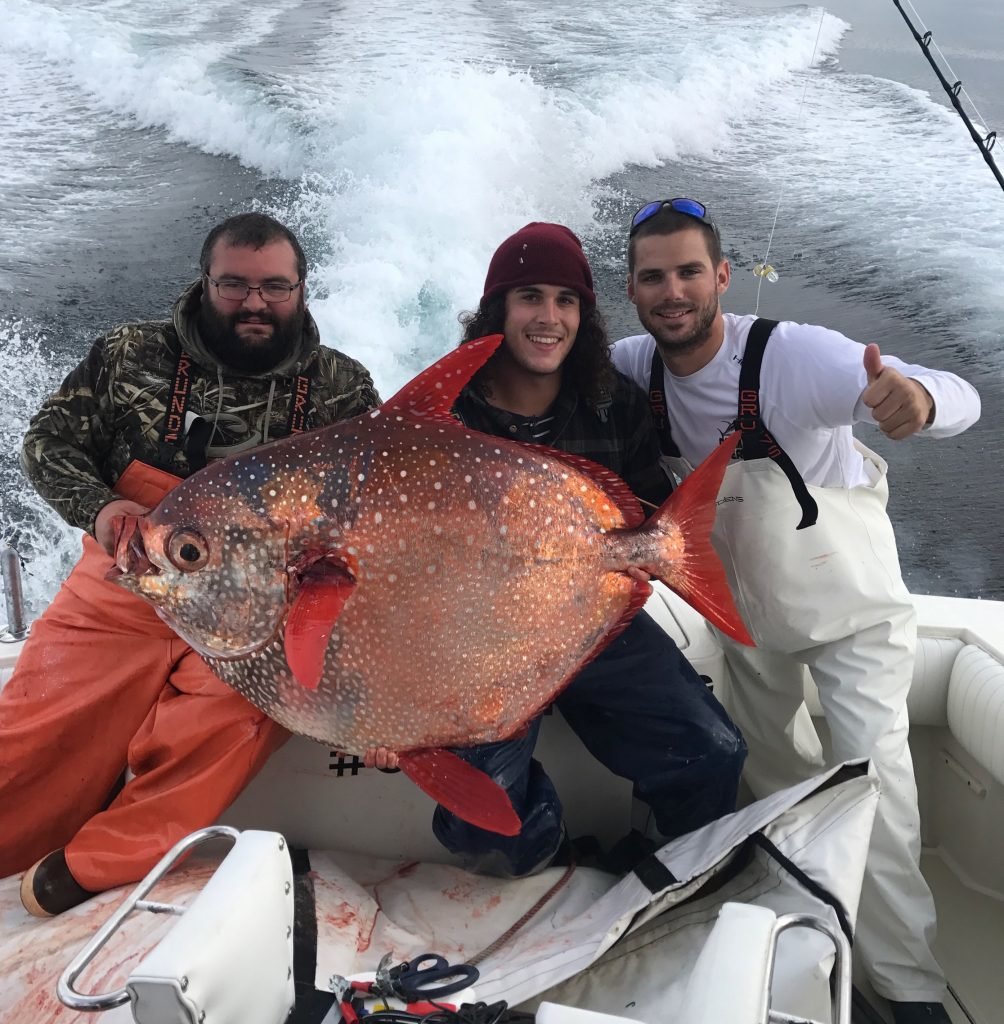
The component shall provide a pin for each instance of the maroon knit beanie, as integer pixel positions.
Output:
(540, 254)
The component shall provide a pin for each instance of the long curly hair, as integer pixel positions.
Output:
(587, 368)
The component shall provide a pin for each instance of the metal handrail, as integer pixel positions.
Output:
(68, 995)
(10, 568)
(841, 998)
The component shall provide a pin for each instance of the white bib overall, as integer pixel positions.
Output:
(831, 598)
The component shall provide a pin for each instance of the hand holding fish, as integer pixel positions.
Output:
(901, 406)
(105, 532)
(380, 757)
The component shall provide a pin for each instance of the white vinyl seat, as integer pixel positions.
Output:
(228, 959)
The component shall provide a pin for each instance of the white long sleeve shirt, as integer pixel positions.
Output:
(811, 383)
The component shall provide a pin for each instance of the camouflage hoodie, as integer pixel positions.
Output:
(111, 408)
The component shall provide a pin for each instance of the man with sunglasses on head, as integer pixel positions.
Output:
(639, 707)
(102, 686)
(810, 552)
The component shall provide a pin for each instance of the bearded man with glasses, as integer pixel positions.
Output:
(103, 691)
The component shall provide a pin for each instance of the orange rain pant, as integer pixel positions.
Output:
(101, 684)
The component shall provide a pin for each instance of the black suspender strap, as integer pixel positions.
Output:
(299, 406)
(757, 443)
(657, 403)
(173, 428)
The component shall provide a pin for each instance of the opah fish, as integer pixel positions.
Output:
(399, 580)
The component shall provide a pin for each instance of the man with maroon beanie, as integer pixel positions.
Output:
(640, 707)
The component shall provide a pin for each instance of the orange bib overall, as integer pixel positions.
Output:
(102, 685)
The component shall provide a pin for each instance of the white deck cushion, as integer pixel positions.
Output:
(976, 707)
(928, 699)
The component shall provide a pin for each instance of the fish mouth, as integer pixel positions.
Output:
(130, 555)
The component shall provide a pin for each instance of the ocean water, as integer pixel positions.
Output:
(404, 141)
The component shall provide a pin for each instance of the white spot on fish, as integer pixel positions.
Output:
(378, 518)
(403, 498)
(472, 505)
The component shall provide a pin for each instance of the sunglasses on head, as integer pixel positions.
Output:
(690, 207)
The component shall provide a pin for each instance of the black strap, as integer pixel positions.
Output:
(311, 1006)
(819, 891)
(172, 430)
(654, 875)
(657, 403)
(299, 406)
(757, 442)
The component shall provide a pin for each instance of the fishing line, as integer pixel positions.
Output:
(764, 269)
(984, 142)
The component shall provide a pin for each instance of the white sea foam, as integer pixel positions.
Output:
(28, 367)
(416, 136)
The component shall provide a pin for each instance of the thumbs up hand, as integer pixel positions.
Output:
(900, 406)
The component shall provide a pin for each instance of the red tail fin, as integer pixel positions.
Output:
(696, 572)
(462, 789)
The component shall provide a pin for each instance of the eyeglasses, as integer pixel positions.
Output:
(690, 207)
(272, 292)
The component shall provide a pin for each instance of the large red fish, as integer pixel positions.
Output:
(398, 580)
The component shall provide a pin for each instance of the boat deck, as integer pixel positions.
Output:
(970, 944)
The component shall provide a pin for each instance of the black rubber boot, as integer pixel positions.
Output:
(48, 888)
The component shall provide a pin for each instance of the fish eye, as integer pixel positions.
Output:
(187, 550)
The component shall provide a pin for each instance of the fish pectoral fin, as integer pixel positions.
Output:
(323, 590)
(462, 789)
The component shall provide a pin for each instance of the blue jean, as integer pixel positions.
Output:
(642, 710)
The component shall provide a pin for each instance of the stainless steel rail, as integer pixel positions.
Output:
(68, 995)
(841, 1008)
(10, 568)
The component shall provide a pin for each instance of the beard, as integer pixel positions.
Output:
(678, 343)
(219, 332)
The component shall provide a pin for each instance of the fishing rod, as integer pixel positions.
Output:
(985, 143)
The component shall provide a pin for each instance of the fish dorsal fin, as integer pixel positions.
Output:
(431, 394)
(613, 486)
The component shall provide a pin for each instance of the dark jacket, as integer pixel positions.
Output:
(616, 433)
(111, 408)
